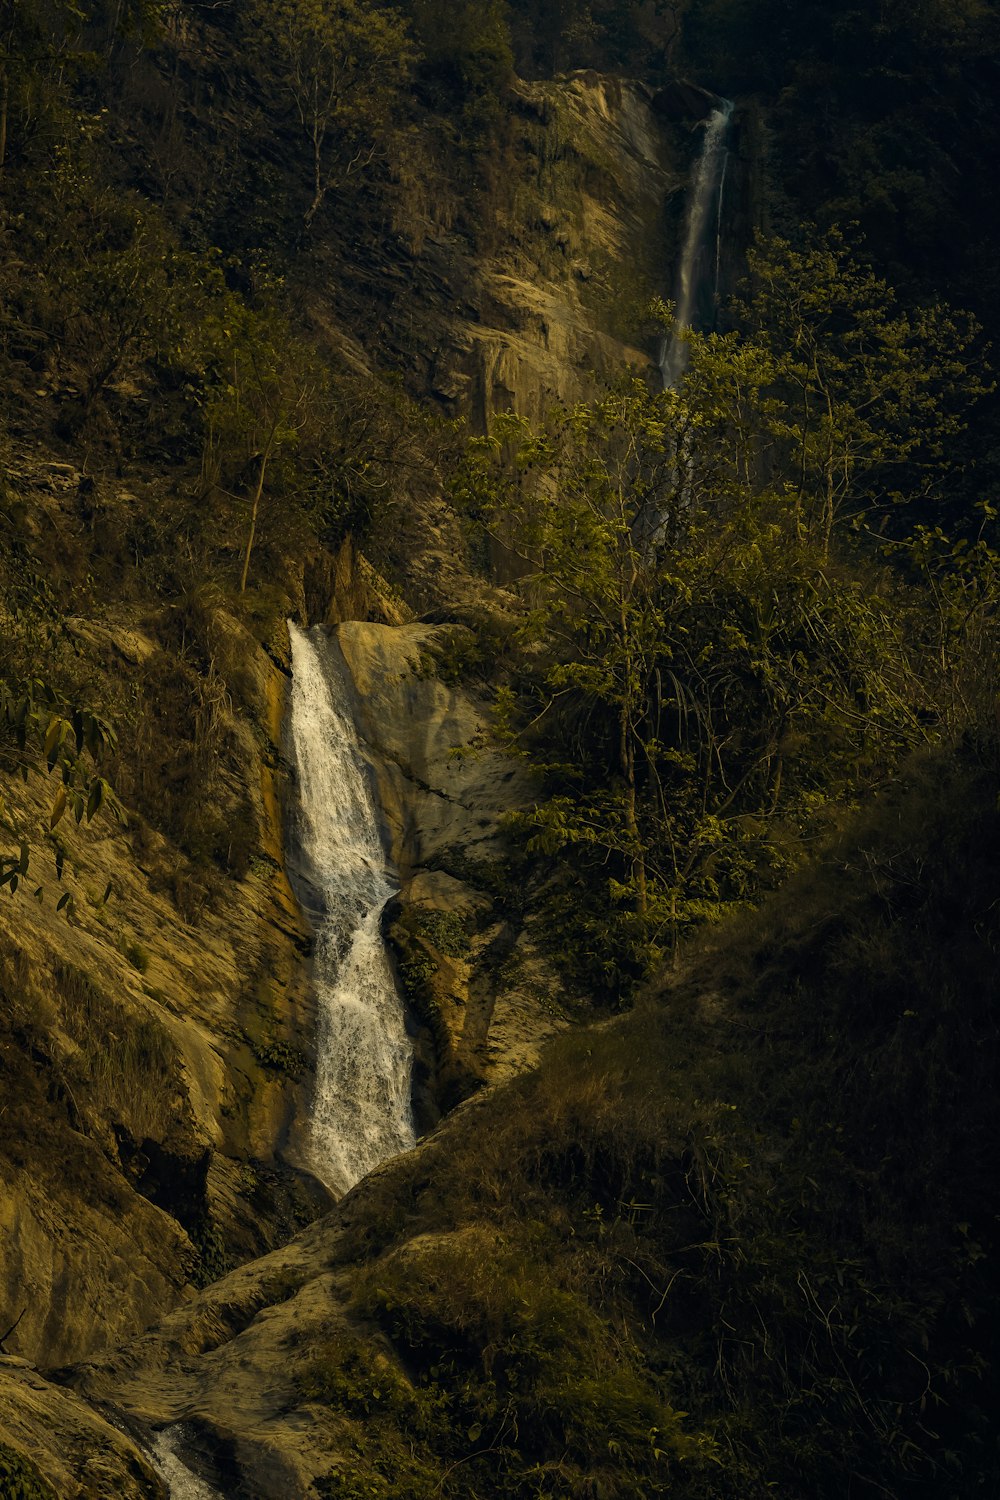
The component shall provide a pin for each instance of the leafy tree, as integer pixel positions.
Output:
(263, 403)
(574, 514)
(872, 397)
(343, 63)
(960, 629)
(704, 667)
(695, 681)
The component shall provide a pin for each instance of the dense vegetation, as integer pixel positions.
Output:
(739, 1241)
(737, 618)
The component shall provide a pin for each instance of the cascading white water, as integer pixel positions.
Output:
(181, 1483)
(362, 1111)
(697, 290)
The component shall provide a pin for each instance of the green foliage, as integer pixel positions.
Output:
(73, 740)
(469, 653)
(709, 659)
(343, 64)
(870, 398)
(764, 1197)
(415, 963)
(138, 956)
(359, 1381)
(961, 635)
(446, 930)
(466, 64)
(19, 1479)
(608, 34)
(526, 1371)
(278, 1054)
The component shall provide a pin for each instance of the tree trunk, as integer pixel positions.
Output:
(319, 190)
(258, 492)
(627, 759)
(4, 111)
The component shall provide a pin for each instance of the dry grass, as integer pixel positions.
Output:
(765, 1198)
(127, 1067)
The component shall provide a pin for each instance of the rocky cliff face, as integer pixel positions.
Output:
(553, 296)
(147, 1095)
(469, 966)
(562, 302)
(155, 1043)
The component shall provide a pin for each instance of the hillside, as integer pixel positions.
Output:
(677, 707)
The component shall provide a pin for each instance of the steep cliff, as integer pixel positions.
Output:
(157, 1037)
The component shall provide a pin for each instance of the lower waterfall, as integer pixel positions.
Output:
(362, 1111)
(181, 1483)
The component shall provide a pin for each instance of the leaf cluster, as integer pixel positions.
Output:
(709, 656)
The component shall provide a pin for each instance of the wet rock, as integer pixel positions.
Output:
(681, 100)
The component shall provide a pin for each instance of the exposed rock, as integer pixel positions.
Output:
(123, 1172)
(77, 1451)
(140, 1130)
(231, 1363)
(444, 786)
(681, 100)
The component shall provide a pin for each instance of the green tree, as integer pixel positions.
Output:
(343, 63)
(263, 404)
(871, 397)
(710, 657)
(575, 512)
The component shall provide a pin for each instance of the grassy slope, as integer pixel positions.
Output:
(770, 1189)
(737, 1242)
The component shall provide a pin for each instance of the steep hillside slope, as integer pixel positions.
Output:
(158, 1033)
(673, 1260)
(735, 1242)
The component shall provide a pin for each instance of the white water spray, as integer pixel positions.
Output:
(362, 1112)
(697, 292)
(181, 1483)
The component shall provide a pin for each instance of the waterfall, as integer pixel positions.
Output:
(181, 1483)
(697, 291)
(362, 1111)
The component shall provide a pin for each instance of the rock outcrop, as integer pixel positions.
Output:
(468, 964)
(76, 1451)
(681, 100)
(155, 1038)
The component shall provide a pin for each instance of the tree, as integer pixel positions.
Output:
(871, 397)
(264, 400)
(466, 62)
(343, 63)
(574, 513)
(705, 664)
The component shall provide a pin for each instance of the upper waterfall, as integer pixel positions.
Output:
(362, 1112)
(697, 288)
